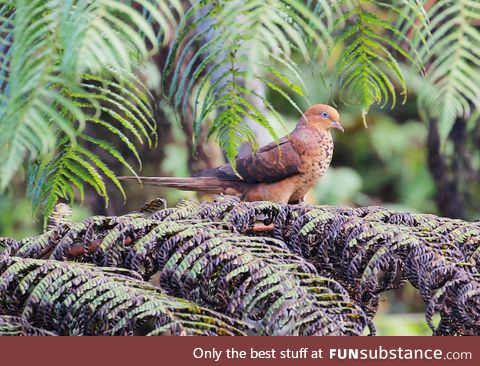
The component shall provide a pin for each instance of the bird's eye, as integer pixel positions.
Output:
(324, 114)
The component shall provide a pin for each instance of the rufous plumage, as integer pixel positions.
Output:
(282, 171)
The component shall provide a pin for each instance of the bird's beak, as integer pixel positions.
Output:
(338, 126)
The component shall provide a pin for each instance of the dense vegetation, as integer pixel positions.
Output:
(74, 74)
(94, 89)
(319, 272)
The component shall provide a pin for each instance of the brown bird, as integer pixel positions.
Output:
(282, 171)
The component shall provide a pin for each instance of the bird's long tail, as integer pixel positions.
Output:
(203, 184)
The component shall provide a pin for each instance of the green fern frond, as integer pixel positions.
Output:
(221, 49)
(454, 62)
(76, 164)
(67, 65)
(367, 72)
(413, 23)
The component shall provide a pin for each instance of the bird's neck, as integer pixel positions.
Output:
(312, 129)
(311, 138)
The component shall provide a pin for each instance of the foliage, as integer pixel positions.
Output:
(320, 271)
(453, 60)
(221, 49)
(76, 299)
(68, 67)
(18, 326)
(256, 280)
(363, 65)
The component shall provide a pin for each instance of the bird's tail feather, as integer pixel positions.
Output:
(203, 184)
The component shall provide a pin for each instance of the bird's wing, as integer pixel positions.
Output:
(271, 163)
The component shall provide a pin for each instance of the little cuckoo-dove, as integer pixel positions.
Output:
(282, 171)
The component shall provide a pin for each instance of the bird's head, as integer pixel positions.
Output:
(323, 116)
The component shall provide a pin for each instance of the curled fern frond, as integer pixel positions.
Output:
(256, 280)
(78, 299)
(320, 271)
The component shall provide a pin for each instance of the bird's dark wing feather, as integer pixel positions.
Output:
(271, 163)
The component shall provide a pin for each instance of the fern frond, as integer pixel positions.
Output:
(367, 72)
(73, 299)
(257, 280)
(320, 272)
(454, 62)
(66, 65)
(75, 165)
(221, 48)
(18, 326)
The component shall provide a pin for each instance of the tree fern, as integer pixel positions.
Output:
(122, 110)
(256, 280)
(453, 61)
(321, 270)
(221, 47)
(68, 299)
(67, 65)
(18, 326)
(230, 44)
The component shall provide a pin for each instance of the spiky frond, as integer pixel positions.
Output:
(67, 65)
(124, 111)
(453, 57)
(222, 48)
(367, 70)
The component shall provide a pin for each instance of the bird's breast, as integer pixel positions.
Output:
(316, 151)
